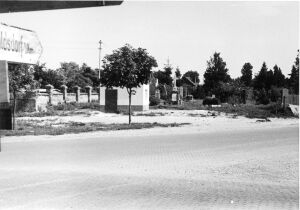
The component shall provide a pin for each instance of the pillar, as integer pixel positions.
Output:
(64, 89)
(50, 92)
(99, 93)
(4, 86)
(77, 92)
(89, 92)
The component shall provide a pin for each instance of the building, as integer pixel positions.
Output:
(117, 99)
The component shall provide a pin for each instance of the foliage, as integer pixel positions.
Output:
(261, 96)
(154, 101)
(164, 77)
(128, 68)
(211, 101)
(294, 76)
(177, 73)
(193, 75)
(215, 73)
(45, 77)
(246, 71)
(20, 78)
(199, 92)
(90, 73)
(278, 78)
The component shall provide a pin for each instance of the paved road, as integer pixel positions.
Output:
(241, 170)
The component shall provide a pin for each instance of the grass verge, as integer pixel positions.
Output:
(30, 128)
(250, 111)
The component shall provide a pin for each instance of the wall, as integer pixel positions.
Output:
(139, 101)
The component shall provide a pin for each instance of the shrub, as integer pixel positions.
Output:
(211, 101)
(154, 101)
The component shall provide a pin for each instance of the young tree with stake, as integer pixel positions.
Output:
(128, 68)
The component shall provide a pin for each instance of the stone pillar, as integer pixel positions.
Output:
(89, 92)
(64, 91)
(50, 92)
(77, 91)
(4, 86)
(98, 90)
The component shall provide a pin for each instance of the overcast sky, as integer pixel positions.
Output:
(187, 33)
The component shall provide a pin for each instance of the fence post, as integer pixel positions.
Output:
(89, 92)
(50, 92)
(77, 89)
(64, 90)
(99, 94)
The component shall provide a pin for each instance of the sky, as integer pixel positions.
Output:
(186, 33)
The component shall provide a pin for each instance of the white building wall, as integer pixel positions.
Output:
(141, 98)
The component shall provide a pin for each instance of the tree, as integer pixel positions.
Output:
(164, 76)
(91, 74)
(215, 73)
(260, 79)
(246, 71)
(20, 78)
(177, 73)
(294, 76)
(193, 75)
(128, 68)
(278, 77)
(68, 71)
(45, 77)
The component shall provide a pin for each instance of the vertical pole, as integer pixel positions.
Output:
(100, 48)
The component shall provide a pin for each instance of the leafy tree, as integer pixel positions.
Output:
(91, 74)
(246, 71)
(128, 68)
(194, 75)
(20, 78)
(45, 77)
(69, 70)
(278, 77)
(215, 73)
(164, 76)
(294, 76)
(177, 73)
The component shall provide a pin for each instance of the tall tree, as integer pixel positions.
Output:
(20, 78)
(69, 70)
(128, 68)
(278, 77)
(294, 76)
(90, 73)
(193, 75)
(215, 73)
(260, 80)
(177, 73)
(246, 71)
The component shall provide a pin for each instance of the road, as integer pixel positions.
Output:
(254, 169)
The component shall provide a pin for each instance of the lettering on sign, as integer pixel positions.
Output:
(19, 45)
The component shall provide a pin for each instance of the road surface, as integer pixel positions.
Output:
(254, 169)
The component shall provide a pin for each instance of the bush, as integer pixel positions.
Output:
(211, 101)
(154, 101)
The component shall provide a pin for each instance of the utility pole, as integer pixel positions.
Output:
(100, 48)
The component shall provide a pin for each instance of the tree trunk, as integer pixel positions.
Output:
(129, 108)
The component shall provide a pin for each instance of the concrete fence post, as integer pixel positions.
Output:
(89, 92)
(98, 91)
(64, 91)
(49, 89)
(77, 91)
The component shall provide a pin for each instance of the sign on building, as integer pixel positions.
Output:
(19, 45)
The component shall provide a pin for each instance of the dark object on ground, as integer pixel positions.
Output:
(5, 119)
(154, 101)
(189, 98)
(211, 101)
(263, 120)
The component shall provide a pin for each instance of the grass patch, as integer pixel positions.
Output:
(250, 111)
(25, 127)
